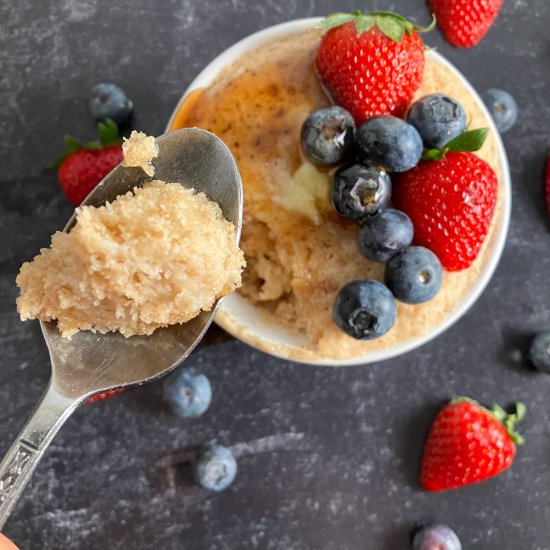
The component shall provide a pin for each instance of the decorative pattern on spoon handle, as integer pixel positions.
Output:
(23, 456)
(14, 469)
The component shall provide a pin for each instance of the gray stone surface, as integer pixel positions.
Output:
(328, 458)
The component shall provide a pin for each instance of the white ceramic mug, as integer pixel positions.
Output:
(248, 323)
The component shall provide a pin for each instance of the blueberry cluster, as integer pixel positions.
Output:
(361, 191)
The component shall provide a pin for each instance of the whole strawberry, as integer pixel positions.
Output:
(468, 443)
(450, 198)
(85, 165)
(465, 22)
(371, 64)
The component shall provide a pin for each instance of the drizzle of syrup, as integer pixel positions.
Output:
(258, 110)
(185, 109)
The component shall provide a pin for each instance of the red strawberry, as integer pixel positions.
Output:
(371, 64)
(548, 184)
(468, 443)
(450, 200)
(85, 165)
(465, 22)
(104, 395)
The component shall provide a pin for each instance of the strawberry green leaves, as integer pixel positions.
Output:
(392, 25)
(508, 420)
(108, 136)
(363, 23)
(469, 141)
(336, 19)
(108, 133)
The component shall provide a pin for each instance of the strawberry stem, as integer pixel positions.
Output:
(392, 25)
(508, 420)
(468, 141)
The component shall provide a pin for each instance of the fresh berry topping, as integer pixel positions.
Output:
(450, 201)
(465, 22)
(215, 468)
(390, 142)
(503, 108)
(436, 537)
(547, 178)
(384, 235)
(438, 118)
(468, 443)
(365, 310)
(360, 190)
(327, 136)
(372, 63)
(188, 392)
(85, 165)
(414, 276)
(539, 352)
(109, 101)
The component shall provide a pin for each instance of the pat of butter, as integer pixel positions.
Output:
(307, 193)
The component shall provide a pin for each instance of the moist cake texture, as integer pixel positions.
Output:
(154, 257)
(139, 150)
(298, 258)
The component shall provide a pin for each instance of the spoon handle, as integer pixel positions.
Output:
(22, 458)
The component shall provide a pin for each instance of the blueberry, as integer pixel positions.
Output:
(364, 309)
(214, 468)
(384, 235)
(360, 190)
(539, 351)
(436, 537)
(109, 101)
(327, 136)
(390, 142)
(503, 108)
(188, 392)
(415, 275)
(438, 118)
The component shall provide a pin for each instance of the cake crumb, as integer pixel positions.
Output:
(139, 150)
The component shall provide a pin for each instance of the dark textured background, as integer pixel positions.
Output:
(328, 457)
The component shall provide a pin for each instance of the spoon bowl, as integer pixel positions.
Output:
(91, 363)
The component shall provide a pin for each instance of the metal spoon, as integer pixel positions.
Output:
(90, 363)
